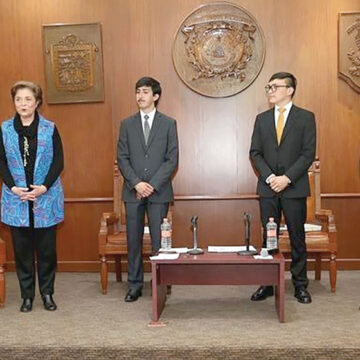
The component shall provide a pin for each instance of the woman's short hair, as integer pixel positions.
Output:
(36, 89)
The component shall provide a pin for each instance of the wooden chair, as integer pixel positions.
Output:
(112, 234)
(2, 272)
(321, 243)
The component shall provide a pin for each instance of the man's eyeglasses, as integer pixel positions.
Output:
(274, 87)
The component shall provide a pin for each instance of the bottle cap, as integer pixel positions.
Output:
(264, 252)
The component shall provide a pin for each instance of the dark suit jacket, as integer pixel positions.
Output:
(154, 163)
(292, 157)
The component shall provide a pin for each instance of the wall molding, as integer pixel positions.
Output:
(340, 195)
(211, 197)
(89, 199)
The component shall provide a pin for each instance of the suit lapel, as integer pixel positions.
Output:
(139, 129)
(289, 122)
(154, 128)
(270, 119)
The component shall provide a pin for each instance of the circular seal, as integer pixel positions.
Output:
(219, 49)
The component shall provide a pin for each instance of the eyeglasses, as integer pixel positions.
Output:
(274, 87)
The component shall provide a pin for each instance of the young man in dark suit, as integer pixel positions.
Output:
(147, 158)
(282, 149)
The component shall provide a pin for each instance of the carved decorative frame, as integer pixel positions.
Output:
(219, 49)
(73, 63)
(349, 48)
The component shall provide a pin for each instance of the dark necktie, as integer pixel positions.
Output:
(146, 128)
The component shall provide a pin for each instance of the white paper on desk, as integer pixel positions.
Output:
(259, 257)
(183, 250)
(307, 227)
(228, 248)
(162, 256)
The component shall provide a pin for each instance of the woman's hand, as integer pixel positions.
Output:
(36, 191)
(21, 192)
(26, 195)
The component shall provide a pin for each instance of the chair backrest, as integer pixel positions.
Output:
(119, 205)
(313, 202)
(2, 252)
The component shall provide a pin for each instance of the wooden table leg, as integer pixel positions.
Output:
(280, 293)
(158, 295)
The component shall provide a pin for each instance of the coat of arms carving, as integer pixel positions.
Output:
(73, 61)
(349, 49)
(219, 50)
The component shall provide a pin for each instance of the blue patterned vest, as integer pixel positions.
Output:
(49, 207)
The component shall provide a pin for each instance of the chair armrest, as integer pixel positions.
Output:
(327, 219)
(107, 220)
(110, 218)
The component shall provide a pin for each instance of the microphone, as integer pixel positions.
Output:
(247, 218)
(195, 250)
(194, 220)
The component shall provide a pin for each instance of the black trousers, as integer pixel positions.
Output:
(135, 219)
(295, 216)
(28, 242)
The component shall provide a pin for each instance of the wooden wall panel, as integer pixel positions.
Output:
(348, 226)
(220, 222)
(301, 37)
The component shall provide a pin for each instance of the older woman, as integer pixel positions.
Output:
(32, 200)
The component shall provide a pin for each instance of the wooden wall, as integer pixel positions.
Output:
(301, 37)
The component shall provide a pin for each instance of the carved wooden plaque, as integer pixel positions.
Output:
(219, 49)
(73, 63)
(349, 49)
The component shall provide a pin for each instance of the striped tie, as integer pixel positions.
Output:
(146, 128)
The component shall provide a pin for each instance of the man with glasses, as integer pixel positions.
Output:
(282, 149)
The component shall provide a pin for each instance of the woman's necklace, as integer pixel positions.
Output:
(26, 150)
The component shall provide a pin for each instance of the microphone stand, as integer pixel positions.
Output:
(195, 250)
(247, 237)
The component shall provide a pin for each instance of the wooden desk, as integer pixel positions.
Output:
(217, 269)
(2, 272)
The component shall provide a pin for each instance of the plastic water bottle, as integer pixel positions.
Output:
(165, 235)
(271, 236)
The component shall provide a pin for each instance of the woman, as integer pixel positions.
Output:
(32, 200)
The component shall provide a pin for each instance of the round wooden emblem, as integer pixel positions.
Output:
(219, 49)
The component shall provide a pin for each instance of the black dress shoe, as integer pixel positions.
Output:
(26, 306)
(302, 295)
(49, 303)
(133, 295)
(262, 293)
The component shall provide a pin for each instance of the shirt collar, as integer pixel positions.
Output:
(151, 115)
(287, 107)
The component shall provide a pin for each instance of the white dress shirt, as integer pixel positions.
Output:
(151, 116)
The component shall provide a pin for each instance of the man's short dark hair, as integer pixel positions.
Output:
(290, 79)
(150, 82)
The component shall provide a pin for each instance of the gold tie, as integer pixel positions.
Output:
(280, 125)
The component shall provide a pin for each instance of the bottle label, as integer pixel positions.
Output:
(165, 233)
(271, 233)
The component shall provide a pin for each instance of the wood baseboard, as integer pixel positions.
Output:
(94, 266)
